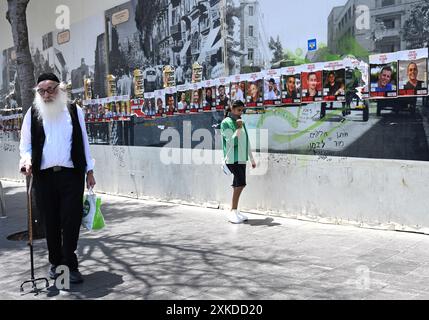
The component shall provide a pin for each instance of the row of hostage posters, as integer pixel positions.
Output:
(291, 86)
(403, 73)
(288, 86)
(388, 75)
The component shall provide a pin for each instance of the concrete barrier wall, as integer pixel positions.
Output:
(9, 160)
(382, 194)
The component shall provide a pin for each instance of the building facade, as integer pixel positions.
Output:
(254, 41)
(382, 34)
(186, 31)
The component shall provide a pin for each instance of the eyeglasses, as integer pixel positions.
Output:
(49, 90)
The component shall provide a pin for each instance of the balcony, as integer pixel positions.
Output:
(176, 32)
(398, 9)
(389, 33)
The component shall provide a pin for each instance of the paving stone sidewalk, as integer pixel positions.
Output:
(152, 251)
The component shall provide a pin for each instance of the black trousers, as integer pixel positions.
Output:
(59, 198)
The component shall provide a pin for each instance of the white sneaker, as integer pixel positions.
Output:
(234, 218)
(242, 216)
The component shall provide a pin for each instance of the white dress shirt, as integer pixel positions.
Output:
(58, 141)
(239, 95)
(270, 95)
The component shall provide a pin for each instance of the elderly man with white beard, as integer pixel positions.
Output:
(54, 149)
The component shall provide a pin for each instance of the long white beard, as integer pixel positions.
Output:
(50, 111)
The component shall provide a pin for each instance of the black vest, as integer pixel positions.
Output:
(38, 141)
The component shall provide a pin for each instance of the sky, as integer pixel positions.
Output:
(308, 20)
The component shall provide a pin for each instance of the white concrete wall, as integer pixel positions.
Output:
(9, 160)
(382, 194)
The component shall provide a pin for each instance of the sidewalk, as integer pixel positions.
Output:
(155, 251)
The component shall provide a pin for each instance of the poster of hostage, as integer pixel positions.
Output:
(272, 88)
(413, 78)
(413, 72)
(291, 86)
(384, 75)
(255, 91)
(334, 78)
(312, 88)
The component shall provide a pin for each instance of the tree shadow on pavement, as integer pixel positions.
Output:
(151, 264)
(147, 248)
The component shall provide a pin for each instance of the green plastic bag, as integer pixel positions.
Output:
(92, 217)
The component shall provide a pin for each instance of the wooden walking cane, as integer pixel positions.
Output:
(33, 281)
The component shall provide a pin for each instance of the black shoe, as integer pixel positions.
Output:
(76, 277)
(52, 272)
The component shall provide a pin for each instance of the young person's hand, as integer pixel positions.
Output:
(239, 124)
(253, 164)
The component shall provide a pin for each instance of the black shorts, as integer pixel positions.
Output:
(239, 172)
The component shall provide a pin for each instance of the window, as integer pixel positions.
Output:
(389, 23)
(47, 41)
(195, 43)
(385, 3)
(175, 16)
(250, 54)
(251, 11)
(250, 31)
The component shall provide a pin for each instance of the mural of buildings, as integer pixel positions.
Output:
(9, 95)
(189, 31)
(180, 33)
(387, 18)
(253, 36)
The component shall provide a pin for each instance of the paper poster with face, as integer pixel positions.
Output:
(170, 100)
(291, 85)
(160, 102)
(223, 93)
(413, 73)
(312, 83)
(272, 87)
(138, 108)
(255, 90)
(334, 81)
(149, 106)
(209, 95)
(183, 98)
(383, 75)
(238, 88)
(196, 93)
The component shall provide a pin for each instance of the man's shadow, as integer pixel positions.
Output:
(96, 285)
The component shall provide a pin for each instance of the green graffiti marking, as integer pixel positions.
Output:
(281, 113)
(293, 121)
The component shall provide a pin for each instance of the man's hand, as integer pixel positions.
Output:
(90, 180)
(253, 164)
(239, 124)
(27, 170)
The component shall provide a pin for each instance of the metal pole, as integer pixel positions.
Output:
(30, 224)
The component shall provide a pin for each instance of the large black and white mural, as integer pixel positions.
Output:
(148, 35)
(141, 37)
